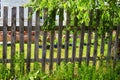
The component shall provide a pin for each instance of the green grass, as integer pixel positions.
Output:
(65, 71)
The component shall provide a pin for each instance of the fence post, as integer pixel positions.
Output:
(5, 24)
(13, 39)
(29, 28)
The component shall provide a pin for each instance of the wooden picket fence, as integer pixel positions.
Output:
(37, 28)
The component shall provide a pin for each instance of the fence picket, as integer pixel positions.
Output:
(44, 42)
(109, 48)
(102, 47)
(116, 46)
(102, 44)
(60, 36)
(21, 21)
(74, 39)
(29, 40)
(96, 37)
(81, 43)
(51, 49)
(13, 38)
(89, 40)
(52, 42)
(44, 50)
(5, 24)
(21, 39)
(37, 33)
(67, 37)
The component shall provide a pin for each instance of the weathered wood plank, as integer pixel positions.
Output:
(88, 47)
(74, 39)
(51, 49)
(60, 36)
(74, 46)
(109, 48)
(37, 33)
(44, 42)
(81, 43)
(52, 42)
(13, 38)
(44, 50)
(67, 36)
(102, 44)
(29, 40)
(102, 47)
(5, 25)
(116, 46)
(21, 29)
(96, 37)
(89, 39)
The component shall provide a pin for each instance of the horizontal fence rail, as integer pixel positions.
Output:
(59, 44)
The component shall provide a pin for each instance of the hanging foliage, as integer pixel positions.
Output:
(109, 10)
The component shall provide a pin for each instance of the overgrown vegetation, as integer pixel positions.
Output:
(65, 71)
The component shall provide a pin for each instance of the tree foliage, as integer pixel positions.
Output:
(109, 10)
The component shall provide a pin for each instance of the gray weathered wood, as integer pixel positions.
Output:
(67, 45)
(116, 46)
(96, 37)
(52, 42)
(13, 38)
(44, 50)
(102, 47)
(51, 49)
(67, 36)
(102, 44)
(29, 40)
(88, 47)
(60, 36)
(109, 48)
(37, 33)
(74, 39)
(81, 43)
(44, 42)
(74, 46)
(89, 39)
(21, 28)
(5, 24)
